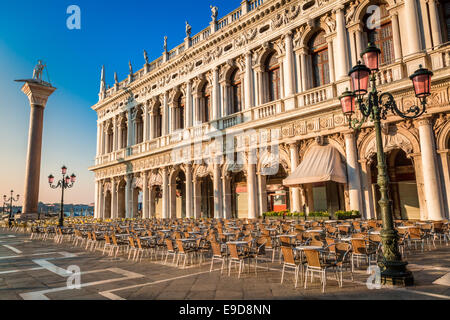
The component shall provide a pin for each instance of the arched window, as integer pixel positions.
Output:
(319, 60)
(444, 7)
(382, 36)
(274, 78)
(236, 92)
(205, 104)
(180, 113)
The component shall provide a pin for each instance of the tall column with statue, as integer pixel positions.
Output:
(37, 92)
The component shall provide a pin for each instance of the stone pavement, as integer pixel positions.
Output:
(36, 269)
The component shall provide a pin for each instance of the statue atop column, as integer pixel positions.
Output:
(38, 69)
(214, 12)
(188, 29)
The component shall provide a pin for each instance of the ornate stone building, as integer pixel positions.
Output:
(214, 126)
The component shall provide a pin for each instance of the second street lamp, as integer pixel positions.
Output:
(376, 107)
(11, 199)
(65, 183)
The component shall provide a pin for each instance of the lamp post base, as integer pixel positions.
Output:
(395, 273)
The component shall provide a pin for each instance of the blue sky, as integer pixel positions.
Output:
(112, 33)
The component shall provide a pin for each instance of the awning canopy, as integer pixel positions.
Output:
(321, 164)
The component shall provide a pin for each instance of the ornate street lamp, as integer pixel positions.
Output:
(11, 199)
(66, 182)
(376, 107)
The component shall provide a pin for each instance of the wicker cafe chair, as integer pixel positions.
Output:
(218, 255)
(315, 265)
(236, 258)
(170, 250)
(361, 250)
(416, 235)
(184, 251)
(342, 259)
(289, 261)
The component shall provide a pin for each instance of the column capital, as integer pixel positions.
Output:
(424, 121)
(37, 94)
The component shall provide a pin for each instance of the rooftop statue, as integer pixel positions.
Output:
(146, 57)
(214, 12)
(165, 43)
(188, 29)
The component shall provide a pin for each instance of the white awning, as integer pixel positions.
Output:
(321, 164)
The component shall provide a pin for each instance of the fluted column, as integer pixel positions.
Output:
(341, 45)
(115, 134)
(151, 205)
(165, 191)
(396, 37)
(99, 138)
(129, 129)
(145, 195)
(217, 192)
(431, 174)
(189, 193)
(145, 123)
(412, 22)
(97, 199)
(354, 179)
(304, 68)
(295, 192)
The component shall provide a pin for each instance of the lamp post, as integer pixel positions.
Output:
(10, 200)
(65, 183)
(376, 106)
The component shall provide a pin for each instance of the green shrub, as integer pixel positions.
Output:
(319, 214)
(345, 215)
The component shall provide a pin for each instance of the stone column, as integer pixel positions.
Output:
(331, 60)
(99, 214)
(433, 194)
(446, 177)
(341, 45)
(248, 82)
(217, 191)
(188, 114)
(412, 31)
(289, 79)
(262, 194)
(189, 193)
(115, 134)
(165, 191)
(251, 186)
(165, 115)
(97, 199)
(304, 67)
(99, 139)
(215, 94)
(366, 175)
(37, 95)
(151, 205)
(128, 196)
(295, 192)
(114, 196)
(129, 129)
(197, 199)
(226, 188)
(145, 195)
(354, 179)
(145, 123)
(434, 23)
(120, 135)
(396, 37)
